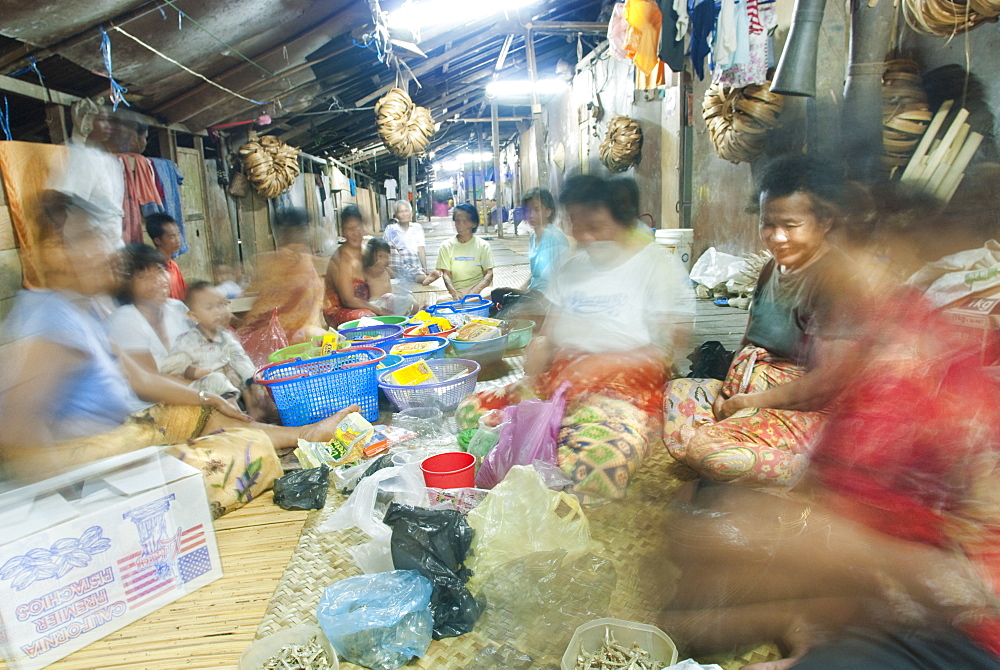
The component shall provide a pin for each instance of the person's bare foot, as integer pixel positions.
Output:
(783, 664)
(431, 277)
(323, 431)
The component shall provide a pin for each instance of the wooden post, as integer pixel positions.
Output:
(479, 168)
(55, 119)
(497, 174)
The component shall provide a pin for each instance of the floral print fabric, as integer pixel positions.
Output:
(767, 447)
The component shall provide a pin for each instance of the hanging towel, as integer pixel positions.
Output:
(643, 38)
(141, 198)
(671, 40)
(27, 168)
(170, 178)
(702, 15)
(726, 40)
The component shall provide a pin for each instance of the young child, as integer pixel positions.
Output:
(210, 355)
(166, 236)
(375, 263)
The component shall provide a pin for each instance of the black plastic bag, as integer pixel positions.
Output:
(435, 543)
(303, 489)
(710, 361)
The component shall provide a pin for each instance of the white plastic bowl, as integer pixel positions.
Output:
(590, 636)
(256, 655)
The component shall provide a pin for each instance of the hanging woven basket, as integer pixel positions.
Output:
(946, 18)
(621, 146)
(405, 129)
(739, 119)
(905, 113)
(270, 165)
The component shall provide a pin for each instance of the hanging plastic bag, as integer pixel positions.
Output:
(529, 433)
(435, 543)
(379, 621)
(521, 516)
(302, 489)
(261, 343)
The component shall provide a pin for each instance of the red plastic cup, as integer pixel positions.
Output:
(450, 470)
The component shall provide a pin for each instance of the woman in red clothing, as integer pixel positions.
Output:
(347, 291)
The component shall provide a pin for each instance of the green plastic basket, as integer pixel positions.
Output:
(387, 320)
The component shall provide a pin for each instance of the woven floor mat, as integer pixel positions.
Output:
(634, 543)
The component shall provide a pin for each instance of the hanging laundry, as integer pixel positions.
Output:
(725, 44)
(702, 14)
(754, 16)
(683, 21)
(643, 38)
(754, 71)
(170, 179)
(671, 40)
(141, 198)
(617, 29)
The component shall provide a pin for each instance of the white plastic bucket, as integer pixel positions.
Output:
(678, 241)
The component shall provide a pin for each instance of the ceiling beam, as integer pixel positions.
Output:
(437, 61)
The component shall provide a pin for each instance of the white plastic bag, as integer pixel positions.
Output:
(364, 509)
(959, 275)
(716, 267)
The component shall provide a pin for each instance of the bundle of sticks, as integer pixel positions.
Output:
(938, 164)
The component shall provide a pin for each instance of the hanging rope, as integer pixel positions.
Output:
(117, 90)
(183, 67)
(5, 120)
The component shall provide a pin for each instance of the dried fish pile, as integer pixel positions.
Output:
(309, 656)
(615, 656)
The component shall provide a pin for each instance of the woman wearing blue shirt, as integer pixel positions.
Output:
(546, 247)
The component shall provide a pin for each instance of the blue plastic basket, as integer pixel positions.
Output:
(435, 353)
(372, 336)
(459, 380)
(390, 362)
(306, 391)
(470, 305)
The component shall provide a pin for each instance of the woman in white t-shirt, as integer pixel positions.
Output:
(148, 322)
(620, 307)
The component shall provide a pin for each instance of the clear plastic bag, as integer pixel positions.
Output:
(483, 440)
(379, 621)
(368, 504)
(529, 433)
(522, 516)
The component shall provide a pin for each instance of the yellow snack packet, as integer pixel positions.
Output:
(333, 341)
(413, 374)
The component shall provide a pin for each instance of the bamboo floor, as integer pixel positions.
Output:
(211, 627)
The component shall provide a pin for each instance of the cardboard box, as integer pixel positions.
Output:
(88, 552)
(979, 318)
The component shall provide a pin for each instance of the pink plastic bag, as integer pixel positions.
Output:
(261, 343)
(529, 433)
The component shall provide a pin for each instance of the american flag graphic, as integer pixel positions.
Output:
(144, 579)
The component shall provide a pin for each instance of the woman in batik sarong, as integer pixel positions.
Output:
(619, 306)
(755, 427)
(287, 280)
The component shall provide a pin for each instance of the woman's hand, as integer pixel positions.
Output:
(538, 356)
(725, 407)
(226, 408)
(195, 373)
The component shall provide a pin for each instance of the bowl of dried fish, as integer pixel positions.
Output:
(301, 647)
(603, 644)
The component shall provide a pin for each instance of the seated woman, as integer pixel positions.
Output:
(465, 261)
(620, 306)
(546, 247)
(885, 556)
(348, 294)
(379, 275)
(756, 426)
(148, 322)
(67, 397)
(287, 280)
(408, 247)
